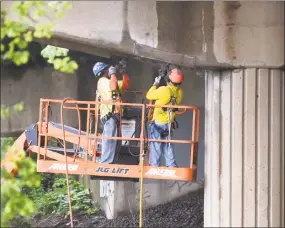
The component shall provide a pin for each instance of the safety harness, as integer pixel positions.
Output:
(173, 101)
(112, 113)
(171, 125)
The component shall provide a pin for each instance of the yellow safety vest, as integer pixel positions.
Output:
(162, 96)
(105, 94)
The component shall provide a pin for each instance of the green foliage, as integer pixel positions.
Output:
(6, 110)
(62, 64)
(29, 192)
(31, 24)
(13, 200)
(55, 201)
(6, 143)
(15, 39)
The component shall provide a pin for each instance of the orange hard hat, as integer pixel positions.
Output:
(176, 76)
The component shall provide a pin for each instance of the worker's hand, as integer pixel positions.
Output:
(157, 81)
(111, 70)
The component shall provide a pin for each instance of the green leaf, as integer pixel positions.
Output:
(28, 36)
(57, 63)
(38, 34)
(8, 22)
(11, 32)
(25, 57)
(22, 44)
(2, 47)
(3, 13)
(19, 107)
(65, 60)
(73, 65)
(16, 40)
(67, 5)
(3, 113)
(3, 32)
(51, 51)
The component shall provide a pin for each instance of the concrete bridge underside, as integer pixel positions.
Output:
(201, 34)
(240, 45)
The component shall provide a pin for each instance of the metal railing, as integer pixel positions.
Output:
(93, 106)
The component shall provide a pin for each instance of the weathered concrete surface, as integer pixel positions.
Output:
(192, 34)
(29, 85)
(249, 32)
(244, 154)
(38, 80)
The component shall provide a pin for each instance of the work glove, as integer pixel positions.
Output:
(111, 70)
(157, 81)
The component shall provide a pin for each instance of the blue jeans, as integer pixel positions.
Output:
(156, 148)
(109, 145)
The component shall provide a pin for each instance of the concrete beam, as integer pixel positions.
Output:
(191, 34)
(137, 51)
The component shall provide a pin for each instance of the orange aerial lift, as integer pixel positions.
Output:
(49, 140)
(83, 160)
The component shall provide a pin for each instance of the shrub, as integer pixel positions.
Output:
(55, 200)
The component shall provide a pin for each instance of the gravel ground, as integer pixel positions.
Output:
(186, 211)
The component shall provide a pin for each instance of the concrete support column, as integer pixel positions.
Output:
(244, 154)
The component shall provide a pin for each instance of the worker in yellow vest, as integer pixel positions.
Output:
(109, 88)
(162, 123)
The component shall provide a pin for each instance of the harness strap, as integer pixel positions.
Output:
(114, 95)
(115, 116)
(172, 101)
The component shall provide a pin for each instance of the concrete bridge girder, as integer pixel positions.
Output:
(192, 34)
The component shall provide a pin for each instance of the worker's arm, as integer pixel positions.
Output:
(114, 82)
(154, 93)
(113, 78)
(179, 96)
(125, 83)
